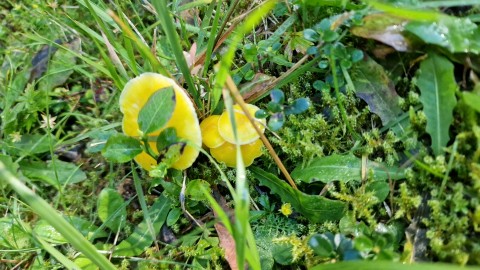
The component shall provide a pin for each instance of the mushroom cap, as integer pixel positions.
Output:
(245, 131)
(210, 135)
(227, 153)
(184, 119)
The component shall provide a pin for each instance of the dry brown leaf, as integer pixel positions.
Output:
(227, 243)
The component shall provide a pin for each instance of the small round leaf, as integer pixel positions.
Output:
(298, 106)
(310, 35)
(276, 121)
(321, 245)
(277, 96)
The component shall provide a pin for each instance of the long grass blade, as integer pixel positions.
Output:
(48, 213)
(176, 46)
(250, 22)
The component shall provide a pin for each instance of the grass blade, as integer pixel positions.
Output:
(176, 46)
(48, 213)
(250, 22)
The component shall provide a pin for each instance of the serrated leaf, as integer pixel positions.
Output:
(437, 85)
(121, 148)
(111, 209)
(157, 111)
(315, 208)
(373, 85)
(67, 173)
(343, 168)
(141, 238)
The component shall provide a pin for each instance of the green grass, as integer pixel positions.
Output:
(371, 139)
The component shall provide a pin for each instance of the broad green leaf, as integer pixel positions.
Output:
(9, 164)
(436, 82)
(194, 191)
(321, 245)
(12, 236)
(472, 100)
(111, 209)
(30, 144)
(283, 253)
(379, 264)
(315, 208)
(381, 189)
(44, 210)
(86, 227)
(48, 233)
(373, 85)
(344, 168)
(166, 138)
(121, 148)
(157, 111)
(68, 173)
(173, 216)
(61, 65)
(141, 238)
(85, 263)
(458, 35)
(99, 139)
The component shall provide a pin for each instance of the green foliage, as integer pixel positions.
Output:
(121, 148)
(326, 169)
(315, 208)
(370, 79)
(111, 209)
(278, 111)
(437, 86)
(157, 111)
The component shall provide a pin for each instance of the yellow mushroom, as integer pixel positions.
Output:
(184, 119)
(210, 135)
(217, 134)
(227, 153)
(246, 132)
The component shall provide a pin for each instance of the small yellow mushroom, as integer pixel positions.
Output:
(227, 153)
(184, 119)
(217, 134)
(210, 135)
(246, 132)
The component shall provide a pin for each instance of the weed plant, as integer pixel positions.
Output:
(370, 153)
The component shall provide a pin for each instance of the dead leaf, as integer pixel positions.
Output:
(41, 59)
(256, 88)
(227, 243)
(386, 29)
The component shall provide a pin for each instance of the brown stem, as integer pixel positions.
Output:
(239, 100)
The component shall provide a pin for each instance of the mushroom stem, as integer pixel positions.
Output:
(239, 100)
